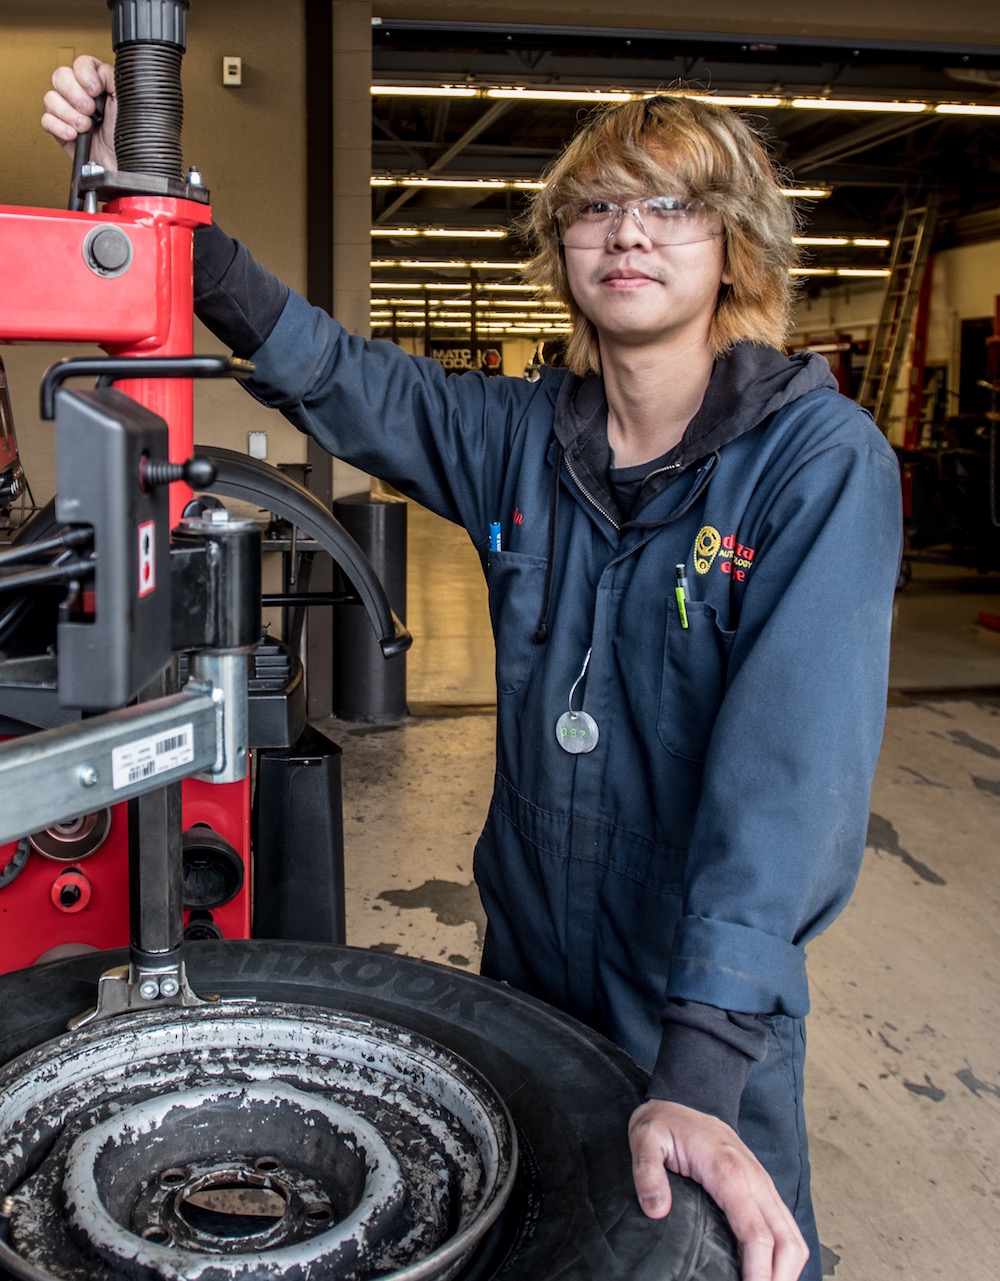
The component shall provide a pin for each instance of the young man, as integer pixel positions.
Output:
(691, 603)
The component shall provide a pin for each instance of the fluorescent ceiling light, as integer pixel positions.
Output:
(434, 264)
(463, 322)
(381, 180)
(487, 331)
(869, 273)
(444, 233)
(734, 99)
(807, 193)
(423, 91)
(751, 101)
(856, 104)
(498, 233)
(519, 315)
(966, 109)
(464, 184)
(856, 242)
(528, 184)
(548, 303)
(378, 263)
(466, 233)
(378, 301)
(561, 95)
(439, 287)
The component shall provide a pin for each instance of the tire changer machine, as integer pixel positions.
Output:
(135, 689)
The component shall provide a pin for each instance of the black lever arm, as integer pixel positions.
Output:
(81, 152)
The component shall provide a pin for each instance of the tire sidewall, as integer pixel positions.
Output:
(570, 1092)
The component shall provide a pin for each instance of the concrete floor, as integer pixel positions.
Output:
(904, 1060)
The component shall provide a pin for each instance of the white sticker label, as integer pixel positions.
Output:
(149, 757)
(147, 558)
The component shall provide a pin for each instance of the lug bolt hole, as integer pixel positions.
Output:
(318, 1211)
(173, 1178)
(267, 1164)
(156, 1234)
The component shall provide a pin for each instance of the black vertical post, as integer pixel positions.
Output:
(156, 862)
(319, 288)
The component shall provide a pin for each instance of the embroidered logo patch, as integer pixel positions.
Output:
(706, 548)
(734, 558)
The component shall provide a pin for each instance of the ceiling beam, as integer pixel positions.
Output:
(499, 108)
(863, 139)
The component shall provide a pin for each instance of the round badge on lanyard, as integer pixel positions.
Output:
(577, 732)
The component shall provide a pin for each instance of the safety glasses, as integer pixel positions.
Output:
(664, 220)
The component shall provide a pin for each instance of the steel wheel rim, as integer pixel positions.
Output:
(383, 1153)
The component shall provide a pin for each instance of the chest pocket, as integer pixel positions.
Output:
(516, 584)
(695, 662)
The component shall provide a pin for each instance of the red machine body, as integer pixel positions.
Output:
(58, 905)
(54, 292)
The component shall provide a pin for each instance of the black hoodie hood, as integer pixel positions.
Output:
(748, 384)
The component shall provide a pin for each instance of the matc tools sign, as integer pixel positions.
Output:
(460, 360)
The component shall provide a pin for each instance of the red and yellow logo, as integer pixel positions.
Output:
(734, 558)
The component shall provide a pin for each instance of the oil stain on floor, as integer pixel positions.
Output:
(451, 902)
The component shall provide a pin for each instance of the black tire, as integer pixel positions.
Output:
(573, 1215)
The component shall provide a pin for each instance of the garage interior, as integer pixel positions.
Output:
(903, 1091)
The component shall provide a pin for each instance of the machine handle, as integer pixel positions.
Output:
(81, 152)
(108, 370)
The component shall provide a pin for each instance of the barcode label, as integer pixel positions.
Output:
(149, 757)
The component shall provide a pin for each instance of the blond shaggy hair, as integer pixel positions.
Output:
(674, 143)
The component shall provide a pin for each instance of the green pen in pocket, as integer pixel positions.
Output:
(680, 592)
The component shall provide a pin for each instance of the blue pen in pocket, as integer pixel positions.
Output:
(494, 535)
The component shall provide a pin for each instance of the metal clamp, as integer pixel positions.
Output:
(140, 987)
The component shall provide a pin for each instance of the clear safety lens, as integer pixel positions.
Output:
(665, 220)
